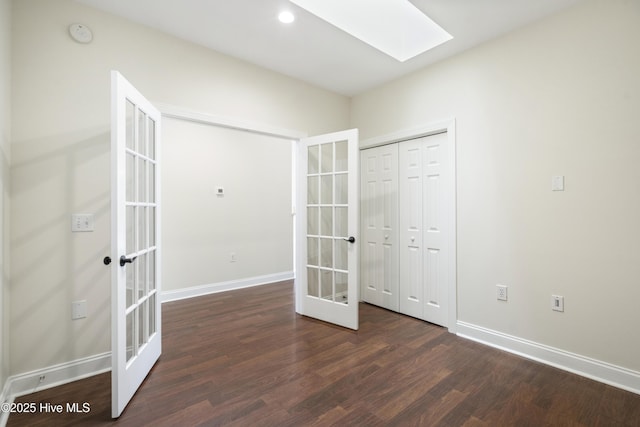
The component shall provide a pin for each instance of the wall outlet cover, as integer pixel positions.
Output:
(501, 292)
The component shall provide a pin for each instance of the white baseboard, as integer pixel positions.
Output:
(52, 376)
(63, 373)
(196, 291)
(597, 370)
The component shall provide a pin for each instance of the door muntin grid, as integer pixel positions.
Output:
(327, 221)
(141, 221)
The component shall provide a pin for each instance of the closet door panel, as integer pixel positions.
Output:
(369, 222)
(435, 253)
(379, 183)
(411, 228)
(388, 234)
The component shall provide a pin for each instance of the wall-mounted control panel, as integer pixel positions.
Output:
(81, 222)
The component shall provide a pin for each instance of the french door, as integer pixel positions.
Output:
(326, 228)
(135, 312)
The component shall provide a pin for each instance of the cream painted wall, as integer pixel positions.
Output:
(5, 155)
(252, 220)
(60, 155)
(560, 97)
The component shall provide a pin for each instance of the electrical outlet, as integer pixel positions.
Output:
(501, 292)
(233, 257)
(557, 303)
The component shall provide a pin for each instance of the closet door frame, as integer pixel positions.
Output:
(447, 126)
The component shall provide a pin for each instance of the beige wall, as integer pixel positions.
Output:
(60, 163)
(560, 97)
(252, 219)
(5, 152)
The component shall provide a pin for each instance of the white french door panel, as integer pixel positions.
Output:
(327, 224)
(379, 201)
(135, 240)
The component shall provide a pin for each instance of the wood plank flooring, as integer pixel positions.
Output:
(244, 358)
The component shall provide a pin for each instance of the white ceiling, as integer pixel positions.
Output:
(314, 51)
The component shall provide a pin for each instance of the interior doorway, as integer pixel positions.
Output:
(227, 198)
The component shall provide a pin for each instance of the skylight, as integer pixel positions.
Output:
(395, 27)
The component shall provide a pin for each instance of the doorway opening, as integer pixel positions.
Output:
(229, 220)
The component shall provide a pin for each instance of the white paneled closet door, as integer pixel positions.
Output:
(405, 189)
(423, 250)
(411, 249)
(379, 207)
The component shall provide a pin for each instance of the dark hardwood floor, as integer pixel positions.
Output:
(244, 358)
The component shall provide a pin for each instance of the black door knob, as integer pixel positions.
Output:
(107, 260)
(124, 260)
(350, 239)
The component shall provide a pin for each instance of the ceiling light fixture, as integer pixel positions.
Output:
(395, 27)
(286, 17)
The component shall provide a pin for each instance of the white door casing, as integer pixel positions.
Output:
(327, 224)
(135, 205)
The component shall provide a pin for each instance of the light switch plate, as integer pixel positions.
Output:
(78, 310)
(557, 183)
(557, 303)
(81, 222)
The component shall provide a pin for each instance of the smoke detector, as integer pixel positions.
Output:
(80, 33)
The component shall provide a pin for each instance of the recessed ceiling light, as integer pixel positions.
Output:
(395, 27)
(286, 17)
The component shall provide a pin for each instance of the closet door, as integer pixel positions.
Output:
(423, 251)
(379, 204)
(411, 213)
(436, 252)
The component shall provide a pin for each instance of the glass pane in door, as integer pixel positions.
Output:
(130, 129)
(327, 221)
(130, 332)
(152, 270)
(130, 286)
(152, 315)
(341, 287)
(312, 281)
(326, 285)
(152, 139)
(142, 133)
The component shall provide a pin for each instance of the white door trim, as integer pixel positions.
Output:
(181, 113)
(448, 126)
